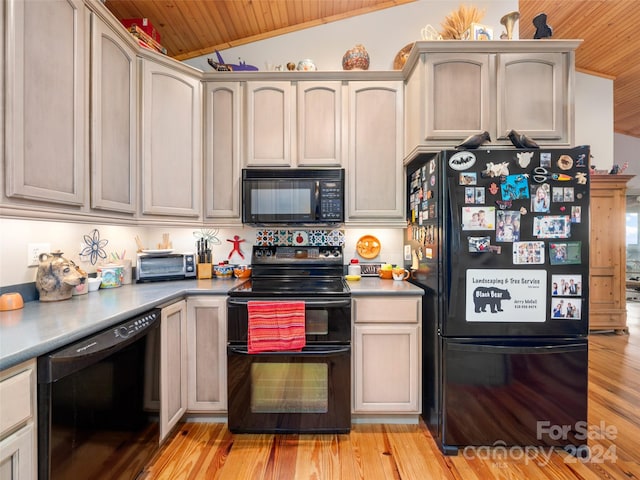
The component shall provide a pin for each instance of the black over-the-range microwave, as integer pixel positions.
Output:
(300, 196)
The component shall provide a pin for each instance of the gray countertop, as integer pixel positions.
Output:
(41, 327)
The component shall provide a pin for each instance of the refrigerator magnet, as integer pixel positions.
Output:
(566, 285)
(479, 244)
(565, 253)
(515, 187)
(468, 178)
(478, 218)
(528, 253)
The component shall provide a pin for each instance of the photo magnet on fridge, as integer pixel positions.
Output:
(478, 218)
(566, 253)
(566, 284)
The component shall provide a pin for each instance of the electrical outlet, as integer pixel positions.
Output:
(33, 253)
(407, 252)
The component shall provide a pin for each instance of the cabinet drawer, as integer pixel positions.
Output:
(387, 309)
(16, 401)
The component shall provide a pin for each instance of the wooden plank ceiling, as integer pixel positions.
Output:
(190, 28)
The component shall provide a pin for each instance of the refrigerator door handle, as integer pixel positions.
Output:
(518, 349)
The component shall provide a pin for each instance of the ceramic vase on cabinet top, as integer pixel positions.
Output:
(356, 59)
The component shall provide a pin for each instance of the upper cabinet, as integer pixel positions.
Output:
(171, 133)
(46, 101)
(222, 151)
(456, 89)
(375, 172)
(268, 129)
(114, 107)
(319, 123)
(291, 124)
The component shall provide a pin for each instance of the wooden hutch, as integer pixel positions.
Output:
(607, 282)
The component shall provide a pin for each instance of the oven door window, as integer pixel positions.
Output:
(289, 387)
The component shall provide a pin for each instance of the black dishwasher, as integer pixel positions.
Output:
(92, 418)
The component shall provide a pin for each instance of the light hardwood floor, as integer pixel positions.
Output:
(407, 452)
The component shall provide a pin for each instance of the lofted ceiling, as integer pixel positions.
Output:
(191, 28)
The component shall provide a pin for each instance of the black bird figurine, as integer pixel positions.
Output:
(542, 29)
(520, 140)
(474, 141)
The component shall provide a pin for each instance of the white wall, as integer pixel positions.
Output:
(594, 118)
(383, 34)
(627, 149)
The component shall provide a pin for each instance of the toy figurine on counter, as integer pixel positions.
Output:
(236, 246)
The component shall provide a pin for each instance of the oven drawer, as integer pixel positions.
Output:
(387, 309)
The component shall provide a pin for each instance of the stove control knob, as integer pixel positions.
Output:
(336, 253)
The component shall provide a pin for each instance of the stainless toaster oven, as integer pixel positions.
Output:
(152, 267)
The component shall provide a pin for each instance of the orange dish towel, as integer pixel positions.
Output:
(276, 326)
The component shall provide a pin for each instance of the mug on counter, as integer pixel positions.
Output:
(400, 273)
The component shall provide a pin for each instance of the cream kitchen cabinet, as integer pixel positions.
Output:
(114, 108)
(268, 126)
(222, 137)
(207, 354)
(319, 121)
(46, 98)
(375, 138)
(291, 124)
(18, 449)
(387, 355)
(171, 136)
(456, 89)
(173, 366)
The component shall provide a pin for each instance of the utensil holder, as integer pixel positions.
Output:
(204, 270)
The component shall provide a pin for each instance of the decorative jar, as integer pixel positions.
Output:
(356, 59)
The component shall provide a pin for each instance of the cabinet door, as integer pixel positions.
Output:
(375, 173)
(18, 456)
(533, 94)
(387, 369)
(222, 150)
(458, 96)
(319, 124)
(207, 353)
(173, 366)
(114, 104)
(171, 141)
(269, 125)
(45, 92)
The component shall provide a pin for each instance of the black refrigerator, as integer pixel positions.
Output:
(499, 241)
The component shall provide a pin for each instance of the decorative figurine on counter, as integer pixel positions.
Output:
(520, 140)
(474, 141)
(236, 246)
(57, 277)
(542, 29)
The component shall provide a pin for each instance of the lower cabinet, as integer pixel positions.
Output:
(173, 366)
(18, 450)
(207, 354)
(387, 355)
